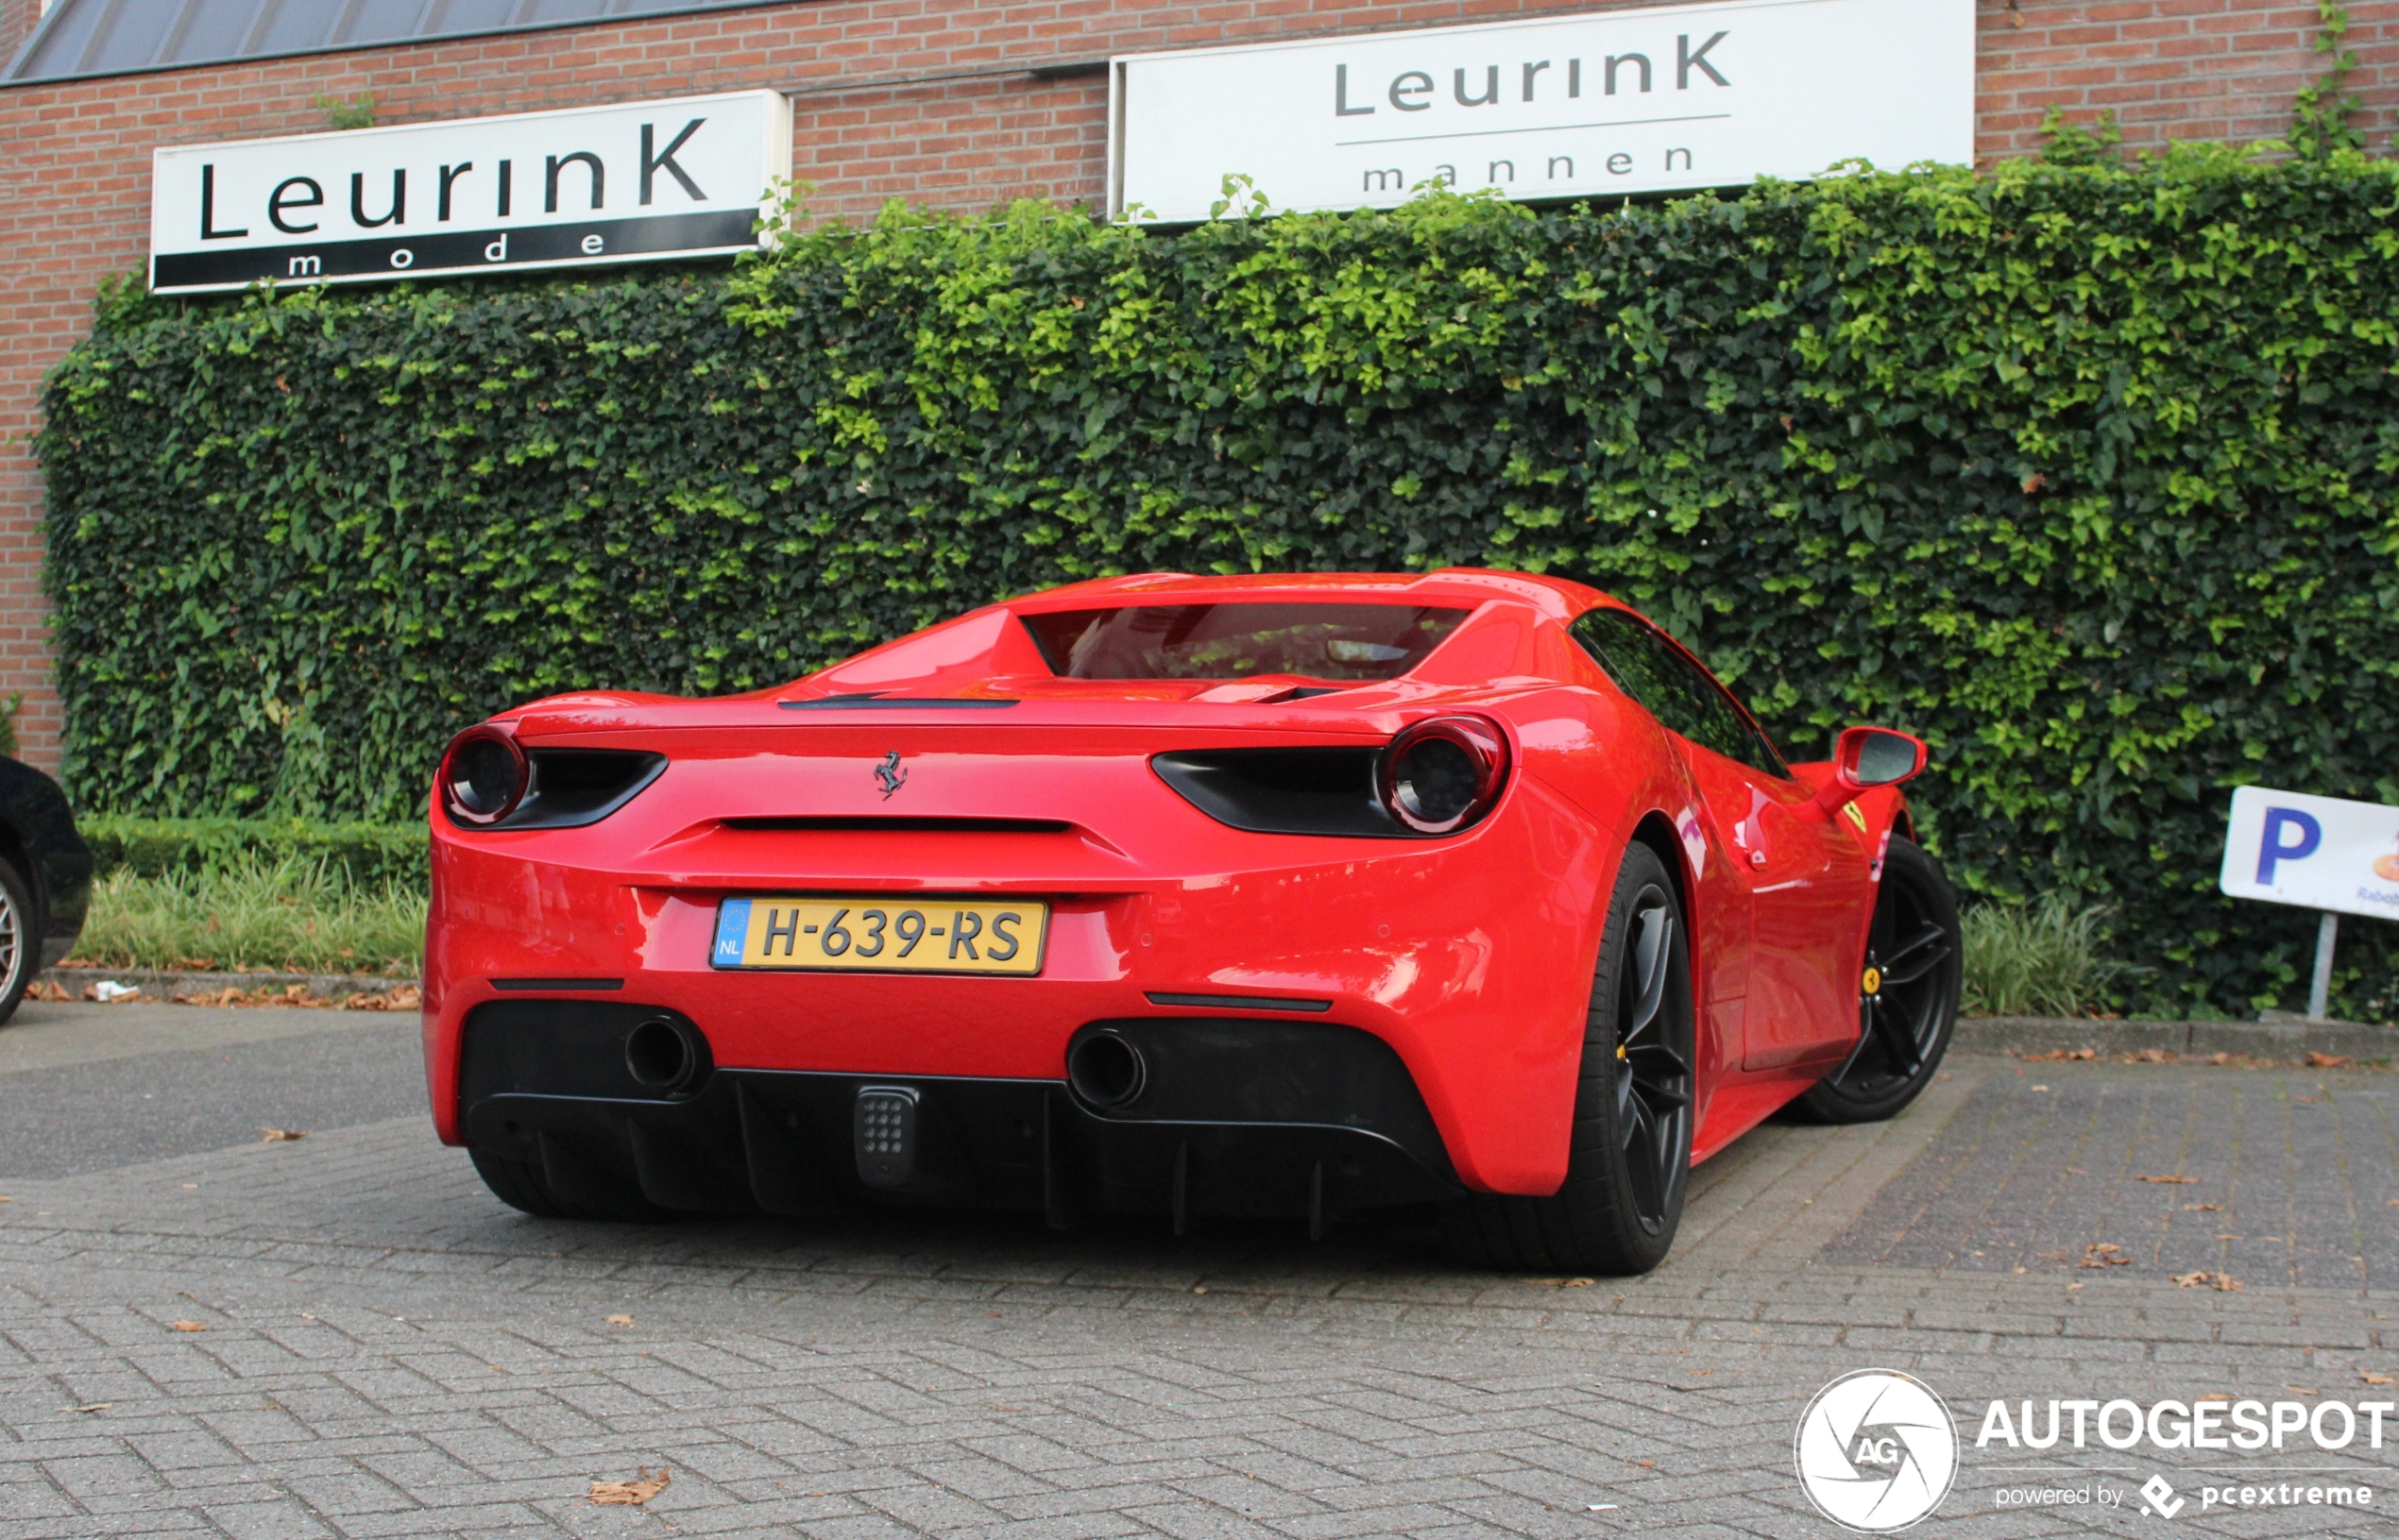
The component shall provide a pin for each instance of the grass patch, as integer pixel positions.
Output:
(2047, 959)
(293, 915)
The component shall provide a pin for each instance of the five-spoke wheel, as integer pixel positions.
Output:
(1907, 994)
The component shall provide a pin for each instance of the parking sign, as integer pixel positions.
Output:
(2316, 853)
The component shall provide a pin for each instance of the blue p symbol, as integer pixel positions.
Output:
(2271, 848)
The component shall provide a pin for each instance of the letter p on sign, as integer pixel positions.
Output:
(2304, 835)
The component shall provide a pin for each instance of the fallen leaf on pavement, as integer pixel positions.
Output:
(406, 997)
(620, 1320)
(43, 989)
(299, 996)
(2303, 1390)
(1559, 1283)
(2203, 1208)
(2310, 1100)
(2327, 1061)
(185, 1326)
(631, 1494)
(233, 994)
(2376, 1379)
(2149, 1056)
(2105, 1254)
(281, 1136)
(2214, 1395)
(2056, 1055)
(2220, 1283)
(94, 1406)
(2177, 1181)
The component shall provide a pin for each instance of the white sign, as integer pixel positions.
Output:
(1610, 103)
(2319, 852)
(686, 177)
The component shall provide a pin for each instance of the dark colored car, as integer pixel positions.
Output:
(45, 878)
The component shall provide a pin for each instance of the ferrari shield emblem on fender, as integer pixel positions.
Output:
(889, 775)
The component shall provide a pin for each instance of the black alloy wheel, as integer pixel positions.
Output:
(1907, 994)
(20, 940)
(1630, 1160)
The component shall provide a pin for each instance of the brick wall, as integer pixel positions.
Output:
(74, 175)
(2169, 68)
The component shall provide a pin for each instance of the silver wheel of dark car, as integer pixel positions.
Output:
(1907, 994)
(20, 946)
(1631, 1160)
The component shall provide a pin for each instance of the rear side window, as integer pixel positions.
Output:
(1674, 689)
(1348, 643)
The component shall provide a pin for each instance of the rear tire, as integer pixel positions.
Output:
(1630, 1158)
(522, 1185)
(20, 940)
(1908, 995)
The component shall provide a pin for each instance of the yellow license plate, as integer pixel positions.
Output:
(880, 934)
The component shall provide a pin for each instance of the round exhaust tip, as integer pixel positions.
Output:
(1106, 1071)
(659, 1056)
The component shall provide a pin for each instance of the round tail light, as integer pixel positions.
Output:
(483, 776)
(1442, 774)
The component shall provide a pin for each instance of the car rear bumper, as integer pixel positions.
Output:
(1469, 958)
(1238, 1118)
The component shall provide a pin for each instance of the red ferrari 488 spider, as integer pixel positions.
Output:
(1298, 895)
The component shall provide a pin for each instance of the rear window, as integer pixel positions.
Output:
(1350, 643)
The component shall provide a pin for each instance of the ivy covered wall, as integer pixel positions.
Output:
(2088, 474)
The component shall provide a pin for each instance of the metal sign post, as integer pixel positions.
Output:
(2320, 992)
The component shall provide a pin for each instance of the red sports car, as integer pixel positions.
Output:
(1300, 895)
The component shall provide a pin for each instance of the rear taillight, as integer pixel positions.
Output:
(1438, 776)
(483, 776)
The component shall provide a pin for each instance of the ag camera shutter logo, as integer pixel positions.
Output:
(1876, 1451)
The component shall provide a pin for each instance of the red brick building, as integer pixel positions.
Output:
(952, 101)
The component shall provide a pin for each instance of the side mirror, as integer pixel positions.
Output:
(1866, 757)
(1872, 756)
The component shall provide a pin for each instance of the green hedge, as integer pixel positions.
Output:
(2086, 474)
(367, 854)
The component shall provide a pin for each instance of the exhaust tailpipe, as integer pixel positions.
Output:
(1106, 1070)
(661, 1055)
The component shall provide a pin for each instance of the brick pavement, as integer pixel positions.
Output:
(2287, 1177)
(389, 1353)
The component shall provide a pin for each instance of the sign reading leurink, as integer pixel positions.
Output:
(1606, 103)
(686, 177)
